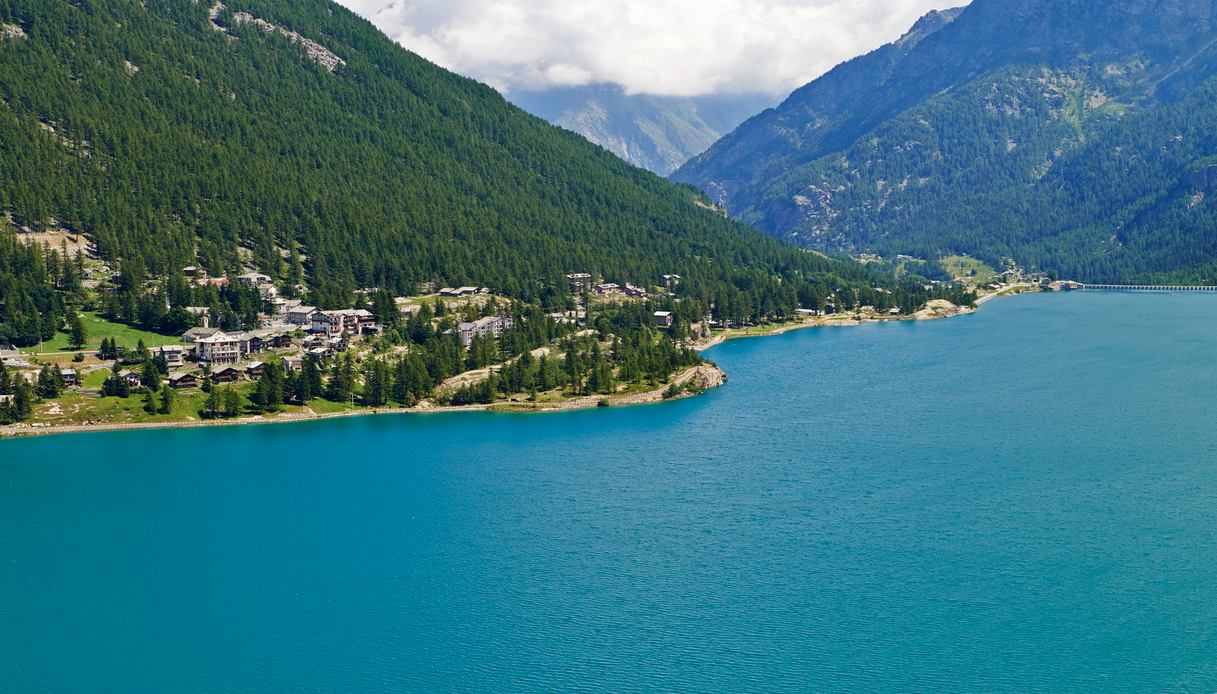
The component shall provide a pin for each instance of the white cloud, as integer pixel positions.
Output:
(676, 47)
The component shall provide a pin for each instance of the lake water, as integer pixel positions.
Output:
(1023, 499)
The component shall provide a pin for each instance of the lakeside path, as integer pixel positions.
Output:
(691, 382)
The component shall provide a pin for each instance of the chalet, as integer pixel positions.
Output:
(194, 272)
(195, 334)
(301, 315)
(579, 282)
(220, 348)
(174, 355)
(131, 377)
(293, 363)
(351, 321)
(254, 279)
(255, 369)
(71, 378)
(268, 292)
(183, 380)
(808, 312)
(460, 291)
(7, 399)
(607, 288)
(490, 325)
(636, 292)
(212, 282)
(201, 314)
(671, 281)
(228, 374)
(664, 319)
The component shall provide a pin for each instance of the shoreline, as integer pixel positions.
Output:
(711, 377)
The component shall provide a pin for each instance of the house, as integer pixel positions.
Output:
(808, 312)
(352, 321)
(174, 355)
(459, 291)
(254, 279)
(228, 374)
(255, 369)
(300, 315)
(664, 319)
(201, 314)
(636, 292)
(671, 281)
(71, 378)
(195, 334)
(607, 288)
(194, 272)
(293, 363)
(213, 281)
(490, 325)
(183, 380)
(579, 282)
(131, 377)
(220, 348)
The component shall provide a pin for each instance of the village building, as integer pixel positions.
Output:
(255, 369)
(664, 319)
(71, 378)
(579, 282)
(300, 315)
(132, 378)
(195, 334)
(635, 292)
(219, 348)
(462, 291)
(808, 312)
(174, 355)
(228, 374)
(194, 272)
(183, 380)
(351, 321)
(490, 325)
(607, 288)
(254, 279)
(201, 314)
(671, 281)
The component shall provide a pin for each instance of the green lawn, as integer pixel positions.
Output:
(97, 328)
(969, 270)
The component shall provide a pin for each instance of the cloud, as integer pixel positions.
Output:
(670, 47)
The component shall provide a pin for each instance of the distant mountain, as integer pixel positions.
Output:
(1076, 135)
(658, 133)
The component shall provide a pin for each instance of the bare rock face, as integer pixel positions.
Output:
(11, 31)
(315, 51)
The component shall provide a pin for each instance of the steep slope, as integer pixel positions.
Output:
(1069, 135)
(291, 137)
(657, 133)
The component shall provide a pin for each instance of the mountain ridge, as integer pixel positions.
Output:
(897, 150)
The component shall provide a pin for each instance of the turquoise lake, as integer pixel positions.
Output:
(1023, 499)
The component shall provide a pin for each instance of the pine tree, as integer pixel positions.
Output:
(167, 399)
(77, 335)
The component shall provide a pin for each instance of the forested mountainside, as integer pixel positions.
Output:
(657, 133)
(1068, 135)
(292, 138)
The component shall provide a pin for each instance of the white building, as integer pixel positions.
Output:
(490, 325)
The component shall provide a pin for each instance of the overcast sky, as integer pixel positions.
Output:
(674, 47)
